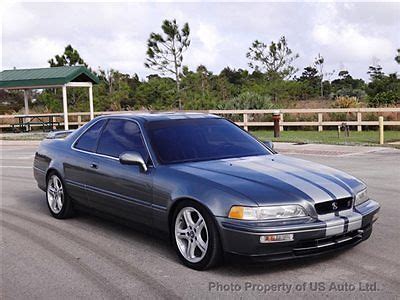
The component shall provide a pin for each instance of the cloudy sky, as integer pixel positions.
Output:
(113, 35)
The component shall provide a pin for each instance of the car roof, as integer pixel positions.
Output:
(161, 116)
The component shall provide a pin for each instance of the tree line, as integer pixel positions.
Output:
(272, 80)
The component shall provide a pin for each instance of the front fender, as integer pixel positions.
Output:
(171, 186)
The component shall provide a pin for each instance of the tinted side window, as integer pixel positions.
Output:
(88, 140)
(121, 136)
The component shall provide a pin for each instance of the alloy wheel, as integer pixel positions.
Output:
(55, 194)
(191, 234)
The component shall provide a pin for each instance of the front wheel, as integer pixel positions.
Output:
(60, 205)
(195, 237)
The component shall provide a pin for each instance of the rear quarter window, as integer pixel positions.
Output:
(88, 140)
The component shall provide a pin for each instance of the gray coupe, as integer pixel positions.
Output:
(207, 184)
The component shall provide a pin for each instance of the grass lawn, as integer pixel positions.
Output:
(294, 136)
(328, 137)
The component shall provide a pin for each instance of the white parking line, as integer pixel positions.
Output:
(17, 167)
(17, 158)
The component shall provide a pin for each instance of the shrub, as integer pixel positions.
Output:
(384, 98)
(346, 102)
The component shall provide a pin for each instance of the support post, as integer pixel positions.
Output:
(26, 102)
(381, 137)
(245, 120)
(79, 120)
(91, 102)
(276, 115)
(65, 106)
(281, 127)
(320, 127)
(359, 120)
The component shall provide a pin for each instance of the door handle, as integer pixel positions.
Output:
(93, 166)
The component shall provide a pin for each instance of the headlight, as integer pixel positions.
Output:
(266, 212)
(361, 197)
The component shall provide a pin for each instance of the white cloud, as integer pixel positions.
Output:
(350, 39)
(206, 45)
(348, 43)
(209, 36)
(31, 52)
(122, 52)
(18, 22)
(113, 35)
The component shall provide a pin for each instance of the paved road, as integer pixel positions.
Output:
(92, 258)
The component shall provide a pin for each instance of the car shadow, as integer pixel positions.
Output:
(127, 231)
(130, 232)
(244, 267)
(109, 226)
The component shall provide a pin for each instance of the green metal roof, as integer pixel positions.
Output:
(31, 78)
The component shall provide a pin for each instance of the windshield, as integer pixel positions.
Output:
(190, 140)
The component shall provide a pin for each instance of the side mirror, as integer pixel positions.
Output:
(269, 144)
(133, 158)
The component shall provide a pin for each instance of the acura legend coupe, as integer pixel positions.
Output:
(207, 184)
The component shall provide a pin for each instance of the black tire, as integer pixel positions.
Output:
(67, 210)
(213, 254)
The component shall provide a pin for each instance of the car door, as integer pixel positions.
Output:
(121, 190)
(77, 164)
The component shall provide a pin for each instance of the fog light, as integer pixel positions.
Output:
(273, 238)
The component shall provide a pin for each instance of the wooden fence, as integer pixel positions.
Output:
(248, 117)
(318, 118)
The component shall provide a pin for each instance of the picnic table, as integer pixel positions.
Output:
(25, 122)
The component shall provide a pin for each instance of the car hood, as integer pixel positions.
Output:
(276, 178)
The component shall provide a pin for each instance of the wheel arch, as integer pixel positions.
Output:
(56, 166)
(51, 171)
(175, 204)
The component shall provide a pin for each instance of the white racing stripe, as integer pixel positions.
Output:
(318, 188)
(334, 226)
(315, 193)
(326, 217)
(312, 167)
(337, 190)
(355, 219)
(332, 221)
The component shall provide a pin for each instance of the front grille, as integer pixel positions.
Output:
(333, 206)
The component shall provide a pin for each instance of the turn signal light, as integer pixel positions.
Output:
(236, 212)
(273, 238)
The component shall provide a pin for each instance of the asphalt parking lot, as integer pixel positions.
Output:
(93, 258)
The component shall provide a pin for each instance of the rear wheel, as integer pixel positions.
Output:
(60, 205)
(195, 237)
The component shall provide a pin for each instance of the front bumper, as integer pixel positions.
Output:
(310, 236)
